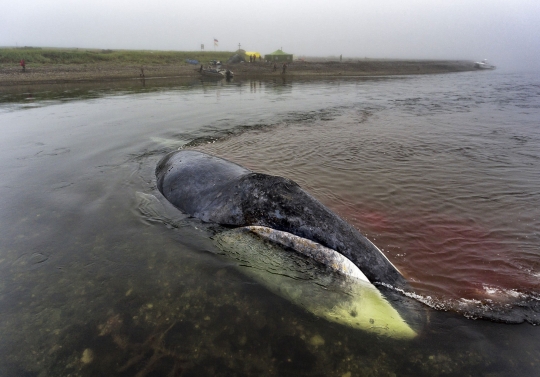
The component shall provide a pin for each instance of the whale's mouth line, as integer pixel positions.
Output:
(385, 257)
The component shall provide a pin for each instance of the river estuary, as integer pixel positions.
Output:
(101, 276)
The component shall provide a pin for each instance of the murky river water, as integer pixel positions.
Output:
(100, 276)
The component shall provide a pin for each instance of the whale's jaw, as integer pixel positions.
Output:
(314, 277)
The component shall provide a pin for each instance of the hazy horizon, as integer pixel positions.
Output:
(505, 32)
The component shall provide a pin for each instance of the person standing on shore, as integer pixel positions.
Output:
(23, 65)
(284, 68)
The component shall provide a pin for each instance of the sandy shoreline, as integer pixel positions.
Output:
(53, 74)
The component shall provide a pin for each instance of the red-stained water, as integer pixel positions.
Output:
(443, 255)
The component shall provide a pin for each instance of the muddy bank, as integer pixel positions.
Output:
(50, 74)
(363, 67)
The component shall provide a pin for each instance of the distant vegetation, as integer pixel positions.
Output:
(38, 56)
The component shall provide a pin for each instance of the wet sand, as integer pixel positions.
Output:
(52, 74)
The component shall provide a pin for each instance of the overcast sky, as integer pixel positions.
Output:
(507, 32)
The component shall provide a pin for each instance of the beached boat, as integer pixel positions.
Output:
(216, 72)
(483, 65)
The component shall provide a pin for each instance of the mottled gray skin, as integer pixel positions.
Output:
(219, 191)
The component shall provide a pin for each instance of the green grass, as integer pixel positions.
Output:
(47, 56)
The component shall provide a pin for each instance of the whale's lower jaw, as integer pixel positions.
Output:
(319, 279)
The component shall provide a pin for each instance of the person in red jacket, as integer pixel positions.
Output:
(23, 65)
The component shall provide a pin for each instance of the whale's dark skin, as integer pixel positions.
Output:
(219, 191)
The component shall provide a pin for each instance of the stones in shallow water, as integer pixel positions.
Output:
(87, 356)
(292, 357)
(316, 340)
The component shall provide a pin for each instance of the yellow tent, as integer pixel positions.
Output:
(251, 53)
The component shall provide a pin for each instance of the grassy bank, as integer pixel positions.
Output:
(47, 56)
(51, 65)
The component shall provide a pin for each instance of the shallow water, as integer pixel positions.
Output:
(101, 276)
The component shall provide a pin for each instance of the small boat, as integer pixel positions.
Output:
(483, 65)
(216, 72)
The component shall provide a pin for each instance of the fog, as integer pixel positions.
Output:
(507, 32)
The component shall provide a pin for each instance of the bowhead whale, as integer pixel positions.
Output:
(219, 191)
(332, 269)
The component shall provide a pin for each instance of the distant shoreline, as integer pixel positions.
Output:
(112, 71)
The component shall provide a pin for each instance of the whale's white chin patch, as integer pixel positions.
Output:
(315, 277)
(324, 255)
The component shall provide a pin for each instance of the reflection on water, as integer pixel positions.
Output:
(100, 279)
(38, 95)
